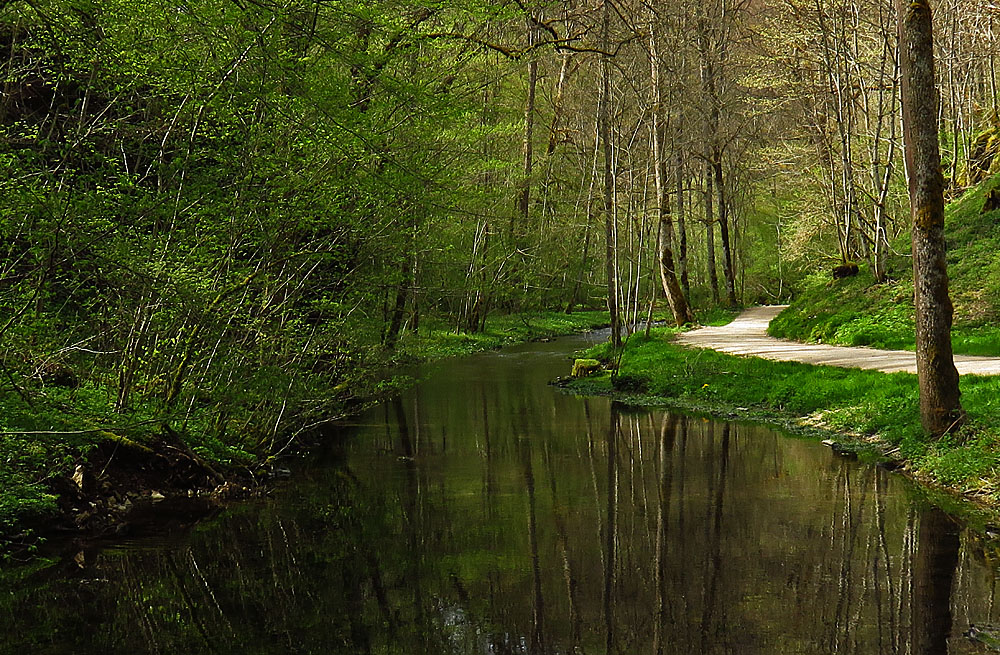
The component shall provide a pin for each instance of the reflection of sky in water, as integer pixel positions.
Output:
(485, 512)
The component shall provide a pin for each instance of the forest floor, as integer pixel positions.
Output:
(747, 335)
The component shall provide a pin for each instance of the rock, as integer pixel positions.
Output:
(156, 496)
(992, 201)
(839, 449)
(229, 491)
(584, 367)
(847, 269)
(77, 477)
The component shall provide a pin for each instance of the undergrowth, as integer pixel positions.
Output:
(46, 431)
(856, 311)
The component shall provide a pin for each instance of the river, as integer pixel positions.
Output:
(485, 512)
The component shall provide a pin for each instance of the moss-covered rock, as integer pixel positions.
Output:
(584, 367)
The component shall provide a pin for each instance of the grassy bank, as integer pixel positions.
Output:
(437, 339)
(872, 411)
(47, 431)
(858, 312)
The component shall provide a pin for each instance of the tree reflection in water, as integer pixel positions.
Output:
(934, 567)
(519, 520)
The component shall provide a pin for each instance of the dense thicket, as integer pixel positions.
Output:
(214, 205)
(219, 217)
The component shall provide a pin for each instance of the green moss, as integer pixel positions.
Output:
(584, 367)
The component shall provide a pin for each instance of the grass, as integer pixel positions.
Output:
(858, 312)
(876, 412)
(438, 340)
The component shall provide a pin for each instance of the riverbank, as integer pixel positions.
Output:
(436, 521)
(75, 467)
(870, 413)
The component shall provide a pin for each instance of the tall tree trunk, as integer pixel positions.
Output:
(672, 289)
(682, 246)
(727, 252)
(713, 276)
(398, 310)
(555, 127)
(940, 408)
(711, 136)
(675, 296)
(574, 298)
(603, 121)
(524, 197)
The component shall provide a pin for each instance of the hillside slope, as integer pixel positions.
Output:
(858, 312)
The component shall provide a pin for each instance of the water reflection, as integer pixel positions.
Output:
(485, 513)
(933, 574)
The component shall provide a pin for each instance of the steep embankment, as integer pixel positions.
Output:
(858, 312)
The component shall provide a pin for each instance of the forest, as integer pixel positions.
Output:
(224, 221)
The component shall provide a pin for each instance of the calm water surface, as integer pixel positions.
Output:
(484, 512)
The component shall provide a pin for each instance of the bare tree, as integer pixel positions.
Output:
(940, 408)
(675, 295)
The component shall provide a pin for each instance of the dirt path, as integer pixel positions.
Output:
(747, 335)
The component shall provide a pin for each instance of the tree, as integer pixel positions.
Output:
(604, 136)
(940, 408)
(671, 287)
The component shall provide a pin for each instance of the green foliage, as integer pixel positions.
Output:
(717, 316)
(856, 311)
(852, 311)
(210, 210)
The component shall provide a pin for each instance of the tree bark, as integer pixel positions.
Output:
(603, 121)
(524, 194)
(940, 408)
(727, 251)
(398, 309)
(706, 50)
(713, 276)
(682, 245)
(668, 276)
